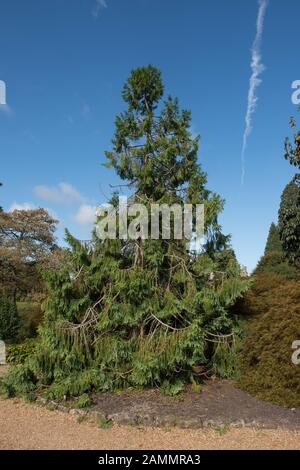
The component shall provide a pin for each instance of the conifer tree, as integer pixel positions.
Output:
(141, 312)
(273, 241)
(289, 222)
(289, 212)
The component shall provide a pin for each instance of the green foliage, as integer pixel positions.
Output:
(224, 359)
(83, 401)
(266, 368)
(105, 423)
(289, 212)
(274, 260)
(172, 389)
(276, 263)
(292, 150)
(273, 240)
(19, 381)
(9, 319)
(17, 353)
(289, 222)
(141, 313)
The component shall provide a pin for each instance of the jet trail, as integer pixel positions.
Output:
(257, 68)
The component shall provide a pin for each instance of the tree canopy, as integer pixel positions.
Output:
(289, 222)
(289, 212)
(26, 239)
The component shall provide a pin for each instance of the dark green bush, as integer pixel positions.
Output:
(9, 319)
(20, 381)
(266, 366)
(18, 353)
(274, 262)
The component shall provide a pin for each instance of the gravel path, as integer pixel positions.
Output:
(27, 426)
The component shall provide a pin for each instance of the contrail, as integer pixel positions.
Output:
(257, 68)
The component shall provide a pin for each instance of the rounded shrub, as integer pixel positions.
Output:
(266, 367)
(274, 262)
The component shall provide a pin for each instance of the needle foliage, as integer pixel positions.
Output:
(141, 312)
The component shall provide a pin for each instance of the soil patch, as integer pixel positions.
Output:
(220, 403)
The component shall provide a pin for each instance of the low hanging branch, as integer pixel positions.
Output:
(168, 326)
(90, 318)
(120, 341)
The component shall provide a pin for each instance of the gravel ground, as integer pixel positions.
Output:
(27, 426)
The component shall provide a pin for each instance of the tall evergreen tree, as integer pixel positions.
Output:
(289, 222)
(274, 260)
(141, 312)
(273, 240)
(289, 212)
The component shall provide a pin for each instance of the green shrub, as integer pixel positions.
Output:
(172, 389)
(258, 300)
(266, 366)
(105, 423)
(83, 401)
(274, 262)
(19, 382)
(9, 319)
(18, 353)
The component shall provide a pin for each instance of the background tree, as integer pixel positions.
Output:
(141, 312)
(26, 242)
(289, 212)
(289, 222)
(274, 261)
(273, 240)
(292, 150)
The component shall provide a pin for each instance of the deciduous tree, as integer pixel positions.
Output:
(26, 241)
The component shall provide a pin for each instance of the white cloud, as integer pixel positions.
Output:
(86, 214)
(63, 193)
(257, 68)
(23, 206)
(99, 5)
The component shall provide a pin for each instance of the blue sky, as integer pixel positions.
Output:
(64, 64)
